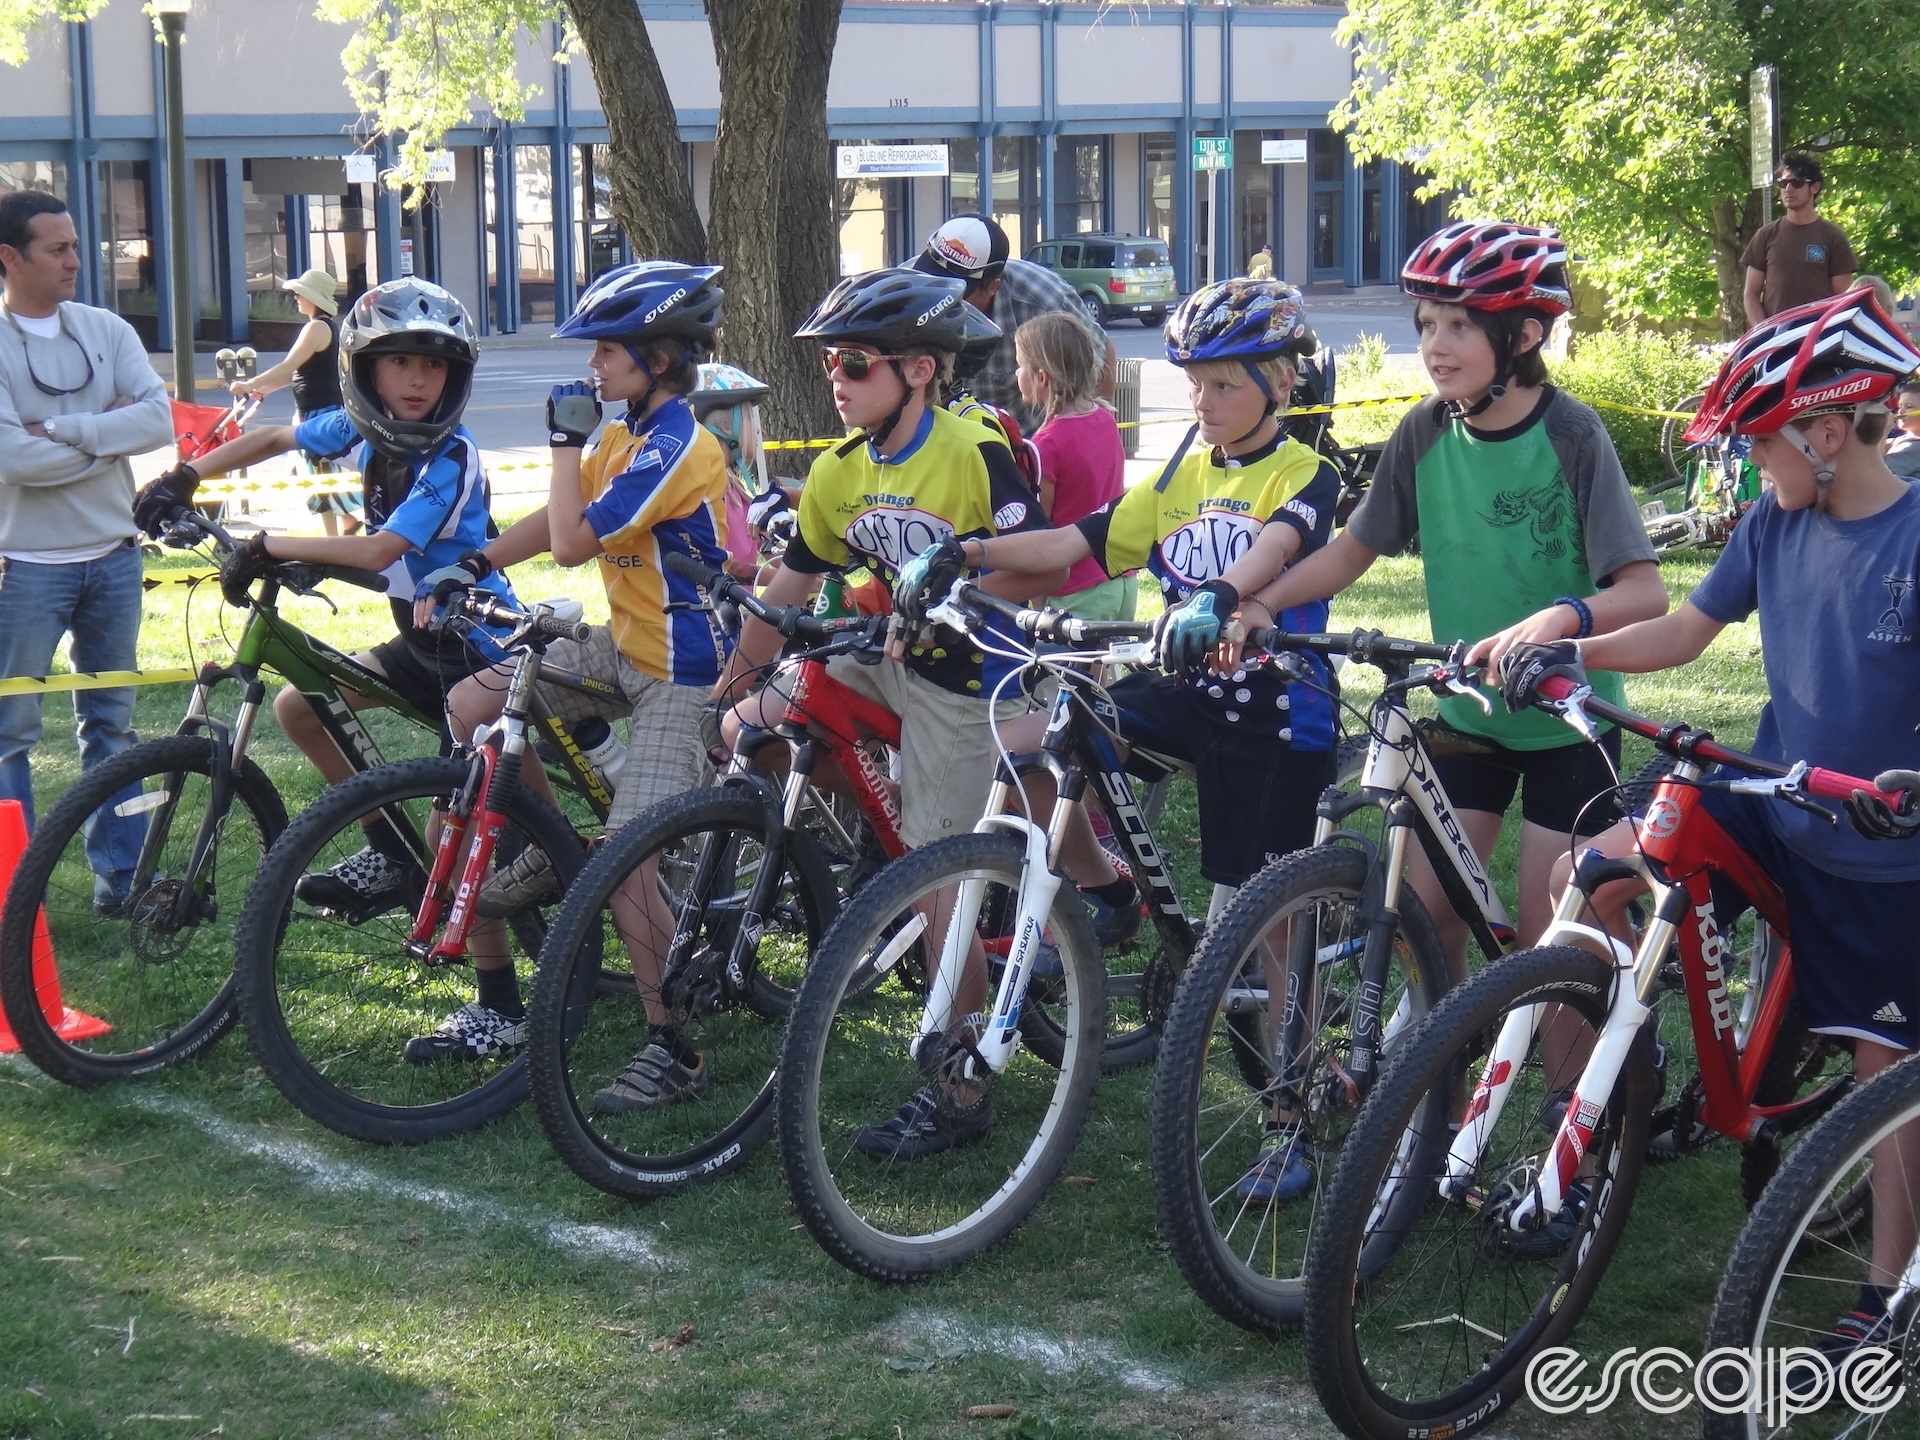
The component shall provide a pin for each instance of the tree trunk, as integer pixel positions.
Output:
(652, 197)
(754, 41)
(809, 251)
(1735, 219)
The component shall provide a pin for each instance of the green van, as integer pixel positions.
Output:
(1114, 274)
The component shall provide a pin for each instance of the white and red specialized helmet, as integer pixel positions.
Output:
(1828, 356)
(1491, 265)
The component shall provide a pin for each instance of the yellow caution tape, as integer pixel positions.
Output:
(176, 577)
(1636, 410)
(94, 680)
(338, 483)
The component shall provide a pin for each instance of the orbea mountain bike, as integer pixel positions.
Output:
(719, 897)
(1446, 1255)
(1306, 983)
(333, 991)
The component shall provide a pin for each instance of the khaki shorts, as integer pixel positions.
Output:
(946, 746)
(664, 754)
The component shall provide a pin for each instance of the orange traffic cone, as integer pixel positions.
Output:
(67, 1024)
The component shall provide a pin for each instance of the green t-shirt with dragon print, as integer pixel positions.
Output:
(1508, 521)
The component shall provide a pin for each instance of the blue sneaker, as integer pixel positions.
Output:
(1280, 1169)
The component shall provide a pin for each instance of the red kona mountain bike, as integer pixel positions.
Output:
(1446, 1255)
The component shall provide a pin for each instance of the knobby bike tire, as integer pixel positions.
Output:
(329, 1007)
(1142, 977)
(1385, 1238)
(167, 993)
(846, 1066)
(1792, 1274)
(1672, 450)
(581, 1035)
(1243, 1254)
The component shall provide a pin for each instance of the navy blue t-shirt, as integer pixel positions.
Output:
(1840, 638)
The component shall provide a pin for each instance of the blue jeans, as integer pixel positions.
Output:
(98, 602)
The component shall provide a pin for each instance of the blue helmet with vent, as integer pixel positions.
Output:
(651, 299)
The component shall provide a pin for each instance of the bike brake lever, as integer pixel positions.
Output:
(1799, 797)
(1451, 679)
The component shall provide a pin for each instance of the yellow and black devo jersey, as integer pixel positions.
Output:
(1190, 526)
(952, 478)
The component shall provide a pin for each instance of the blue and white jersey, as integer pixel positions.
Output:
(440, 505)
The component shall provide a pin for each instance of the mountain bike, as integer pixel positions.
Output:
(1794, 1271)
(1446, 1255)
(1718, 485)
(332, 991)
(1359, 963)
(719, 896)
(993, 903)
(151, 950)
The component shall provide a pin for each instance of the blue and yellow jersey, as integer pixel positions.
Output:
(1190, 526)
(656, 486)
(953, 478)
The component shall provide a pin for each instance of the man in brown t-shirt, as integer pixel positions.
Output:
(1800, 257)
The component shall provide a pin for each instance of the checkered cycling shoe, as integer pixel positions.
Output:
(365, 884)
(473, 1032)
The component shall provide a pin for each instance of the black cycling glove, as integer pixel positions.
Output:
(1526, 666)
(245, 564)
(573, 410)
(1876, 819)
(160, 500)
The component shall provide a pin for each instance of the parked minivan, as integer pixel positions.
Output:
(1113, 274)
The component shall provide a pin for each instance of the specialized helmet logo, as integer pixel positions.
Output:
(665, 305)
(1832, 392)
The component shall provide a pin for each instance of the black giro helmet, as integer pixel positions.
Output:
(405, 317)
(895, 309)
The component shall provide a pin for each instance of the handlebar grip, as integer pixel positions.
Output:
(1836, 786)
(352, 575)
(562, 629)
(688, 568)
(1555, 687)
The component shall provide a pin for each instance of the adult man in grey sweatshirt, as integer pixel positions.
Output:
(77, 397)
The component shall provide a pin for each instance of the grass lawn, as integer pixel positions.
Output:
(192, 1257)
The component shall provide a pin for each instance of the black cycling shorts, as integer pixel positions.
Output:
(1555, 785)
(1258, 795)
(424, 671)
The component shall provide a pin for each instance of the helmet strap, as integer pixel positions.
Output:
(878, 437)
(1822, 469)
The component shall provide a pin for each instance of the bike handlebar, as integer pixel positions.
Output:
(189, 527)
(1677, 738)
(792, 621)
(1054, 625)
(490, 611)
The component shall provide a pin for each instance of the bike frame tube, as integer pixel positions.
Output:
(838, 718)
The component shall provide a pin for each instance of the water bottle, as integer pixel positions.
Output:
(595, 738)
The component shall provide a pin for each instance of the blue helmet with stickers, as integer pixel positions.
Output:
(1240, 320)
(650, 299)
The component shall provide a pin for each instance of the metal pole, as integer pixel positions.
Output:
(172, 27)
(1213, 224)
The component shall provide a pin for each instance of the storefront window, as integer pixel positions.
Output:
(963, 176)
(1326, 160)
(48, 175)
(340, 232)
(126, 238)
(1016, 189)
(598, 246)
(1156, 178)
(1253, 186)
(265, 218)
(871, 217)
(1079, 184)
(1423, 217)
(533, 207)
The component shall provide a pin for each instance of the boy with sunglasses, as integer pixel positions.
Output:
(77, 397)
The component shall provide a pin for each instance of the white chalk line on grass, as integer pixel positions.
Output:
(1055, 1357)
(325, 1173)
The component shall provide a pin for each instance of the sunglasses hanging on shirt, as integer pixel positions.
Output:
(27, 354)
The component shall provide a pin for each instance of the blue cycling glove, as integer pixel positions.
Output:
(573, 410)
(1186, 636)
(925, 580)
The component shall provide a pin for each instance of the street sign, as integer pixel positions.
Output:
(1213, 152)
(1763, 125)
(1283, 152)
(853, 162)
(362, 169)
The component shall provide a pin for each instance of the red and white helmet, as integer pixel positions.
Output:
(1491, 265)
(1827, 356)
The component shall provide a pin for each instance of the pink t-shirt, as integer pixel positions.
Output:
(1082, 456)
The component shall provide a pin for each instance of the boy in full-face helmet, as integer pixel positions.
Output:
(407, 352)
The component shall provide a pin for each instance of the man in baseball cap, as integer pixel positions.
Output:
(975, 250)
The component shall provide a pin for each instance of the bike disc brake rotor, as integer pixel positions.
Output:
(151, 932)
